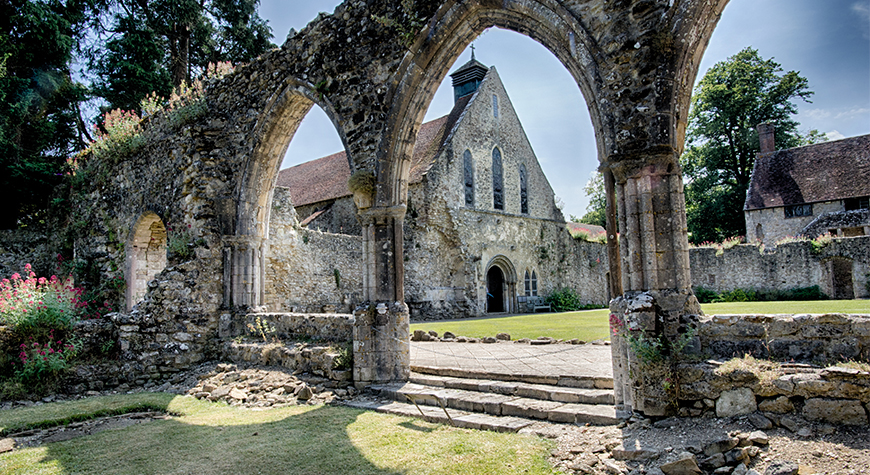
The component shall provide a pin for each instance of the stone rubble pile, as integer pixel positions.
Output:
(730, 455)
(268, 387)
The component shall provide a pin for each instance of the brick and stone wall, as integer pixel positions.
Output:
(775, 226)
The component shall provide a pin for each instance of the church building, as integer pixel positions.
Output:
(482, 231)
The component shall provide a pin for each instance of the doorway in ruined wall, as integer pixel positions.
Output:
(146, 256)
(501, 286)
(837, 278)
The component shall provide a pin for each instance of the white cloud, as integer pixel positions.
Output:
(863, 11)
(834, 135)
(852, 113)
(817, 114)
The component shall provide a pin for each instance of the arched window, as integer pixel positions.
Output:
(146, 256)
(495, 106)
(534, 284)
(469, 179)
(524, 195)
(528, 284)
(497, 181)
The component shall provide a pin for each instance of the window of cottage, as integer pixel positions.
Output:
(524, 195)
(528, 284)
(534, 284)
(495, 106)
(852, 204)
(469, 179)
(497, 180)
(797, 211)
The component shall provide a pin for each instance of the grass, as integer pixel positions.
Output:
(591, 325)
(586, 325)
(207, 438)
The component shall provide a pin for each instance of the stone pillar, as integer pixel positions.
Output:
(244, 271)
(657, 302)
(380, 332)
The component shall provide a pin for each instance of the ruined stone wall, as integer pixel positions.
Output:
(790, 265)
(19, 247)
(773, 394)
(339, 218)
(310, 271)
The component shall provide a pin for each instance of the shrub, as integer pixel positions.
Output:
(43, 364)
(31, 302)
(738, 295)
(564, 300)
(705, 295)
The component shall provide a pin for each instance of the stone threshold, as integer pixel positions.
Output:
(571, 381)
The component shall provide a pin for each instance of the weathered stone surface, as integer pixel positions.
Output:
(238, 394)
(782, 468)
(684, 465)
(759, 421)
(7, 445)
(720, 446)
(737, 402)
(835, 411)
(780, 405)
(759, 438)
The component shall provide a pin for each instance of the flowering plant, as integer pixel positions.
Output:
(28, 301)
(43, 362)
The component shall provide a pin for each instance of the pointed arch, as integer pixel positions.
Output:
(468, 171)
(524, 192)
(146, 255)
(497, 180)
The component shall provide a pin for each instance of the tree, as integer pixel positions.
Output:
(40, 123)
(596, 209)
(730, 100)
(155, 45)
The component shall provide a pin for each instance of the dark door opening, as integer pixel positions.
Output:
(841, 277)
(494, 290)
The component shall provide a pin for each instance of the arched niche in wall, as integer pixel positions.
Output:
(146, 255)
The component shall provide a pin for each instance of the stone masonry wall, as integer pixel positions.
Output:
(790, 265)
(775, 394)
(310, 271)
(775, 225)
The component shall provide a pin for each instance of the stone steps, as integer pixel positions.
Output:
(571, 381)
(494, 403)
(459, 418)
(546, 392)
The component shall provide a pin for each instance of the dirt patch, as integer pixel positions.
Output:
(36, 437)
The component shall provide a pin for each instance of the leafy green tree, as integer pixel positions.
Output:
(596, 209)
(732, 98)
(40, 123)
(156, 45)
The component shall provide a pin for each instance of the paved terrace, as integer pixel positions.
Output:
(549, 364)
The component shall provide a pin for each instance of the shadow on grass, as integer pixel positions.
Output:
(415, 425)
(312, 442)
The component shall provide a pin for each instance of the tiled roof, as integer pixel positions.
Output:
(326, 178)
(822, 172)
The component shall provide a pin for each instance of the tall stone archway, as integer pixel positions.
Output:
(146, 255)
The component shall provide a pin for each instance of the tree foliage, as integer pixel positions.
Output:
(155, 45)
(40, 124)
(596, 210)
(732, 98)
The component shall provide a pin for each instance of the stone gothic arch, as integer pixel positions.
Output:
(146, 255)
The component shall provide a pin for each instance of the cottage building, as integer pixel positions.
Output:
(809, 190)
(482, 232)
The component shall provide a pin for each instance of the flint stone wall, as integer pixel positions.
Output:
(292, 326)
(808, 338)
(309, 271)
(789, 265)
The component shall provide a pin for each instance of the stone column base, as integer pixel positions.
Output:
(381, 351)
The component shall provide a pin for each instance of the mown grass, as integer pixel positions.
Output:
(585, 325)
(210, 438)
(591, 325)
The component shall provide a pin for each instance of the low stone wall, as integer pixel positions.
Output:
(809, 338)
(833, 395)
(300, 357)
(771, 393)
(292, 326)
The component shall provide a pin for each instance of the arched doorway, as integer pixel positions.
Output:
(495, 290)
(146, 256)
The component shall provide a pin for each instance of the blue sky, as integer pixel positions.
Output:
(827, 41)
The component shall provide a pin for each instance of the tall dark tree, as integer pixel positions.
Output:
(730, 100)
(155, 45)
(40, 123)
(596, 210)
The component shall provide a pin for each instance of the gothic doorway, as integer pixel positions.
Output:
(494, 290)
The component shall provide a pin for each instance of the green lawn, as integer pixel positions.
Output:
(210, 438)
(593, 324)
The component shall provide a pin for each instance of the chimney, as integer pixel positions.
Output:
(766, 138)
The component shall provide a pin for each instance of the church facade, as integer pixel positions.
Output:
(482, 232)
